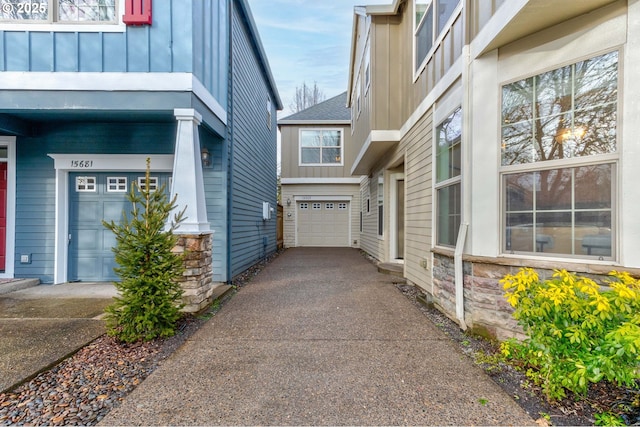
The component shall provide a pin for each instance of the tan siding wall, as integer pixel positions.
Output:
(290, 167)
(369, 240)
(291, 191)
(415, 149)
(395, 93)
(419, 201)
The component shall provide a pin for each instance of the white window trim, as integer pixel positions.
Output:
(99, 163)
(437, 40)
(599, 159)
(89, 27)
(393, 215)
(341, 130)
(10, 243)
(117, 184)
(445, 110)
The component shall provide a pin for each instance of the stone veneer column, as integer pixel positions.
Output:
(195, 235)
(196, 280)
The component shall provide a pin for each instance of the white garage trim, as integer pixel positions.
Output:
(65, 163)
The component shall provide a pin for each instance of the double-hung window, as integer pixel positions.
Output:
(66, 11)
(448, 178)
(431, 18)
(320, 147)
(559, 160)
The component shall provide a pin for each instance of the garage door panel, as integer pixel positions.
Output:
(88, 239)
(90, 248)
(90, 211)
(323, 224)
(113, 211)
(89, 266)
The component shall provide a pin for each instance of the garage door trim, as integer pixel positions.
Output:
(65, 163)
(311, 199)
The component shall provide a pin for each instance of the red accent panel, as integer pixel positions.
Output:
(137, 12)
(3, 214)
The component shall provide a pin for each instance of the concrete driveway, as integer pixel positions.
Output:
(319, 337)
(41, 325)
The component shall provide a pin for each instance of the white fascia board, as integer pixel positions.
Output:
(112, 82)
(331, 181)
(383, 9)
(503, 16)
(385, 135)
(314, 122)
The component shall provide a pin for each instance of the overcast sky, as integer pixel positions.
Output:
(307, 41)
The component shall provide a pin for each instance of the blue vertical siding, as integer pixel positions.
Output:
(35, 178)
(66, 51)
(254, 155)
(16, 51)
(138, 49)
(160, 40)
(113, 45)
(41, 52)
(90, 52)
(188, 36)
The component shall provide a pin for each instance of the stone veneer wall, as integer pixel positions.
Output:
(486, 309)
(197, 279)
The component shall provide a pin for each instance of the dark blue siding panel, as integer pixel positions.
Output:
(138, 49)
(41, 52)
(35, 189)
(115, 49)
(66, 51)
(90, 51)
(254, 157)
(215, 186)
(17, 51)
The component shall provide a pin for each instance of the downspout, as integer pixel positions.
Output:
(229, 151)
(465, 183)
(459, 274)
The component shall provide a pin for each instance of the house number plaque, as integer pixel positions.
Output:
(81, 164)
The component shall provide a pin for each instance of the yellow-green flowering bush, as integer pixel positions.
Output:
(578, 333)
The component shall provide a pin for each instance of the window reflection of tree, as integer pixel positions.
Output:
(567, 112)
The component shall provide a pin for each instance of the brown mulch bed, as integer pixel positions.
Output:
(573, 410)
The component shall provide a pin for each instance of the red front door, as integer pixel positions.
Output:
(3, 214)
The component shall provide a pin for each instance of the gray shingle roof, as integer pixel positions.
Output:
(329, 110)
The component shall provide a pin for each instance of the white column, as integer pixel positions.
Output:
(187, 181)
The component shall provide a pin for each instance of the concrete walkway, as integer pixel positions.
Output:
(319, 337)
(41, 325)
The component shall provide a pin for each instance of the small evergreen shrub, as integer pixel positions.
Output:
(577, 332)
(149, 303)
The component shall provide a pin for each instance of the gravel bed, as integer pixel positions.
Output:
(82, 389)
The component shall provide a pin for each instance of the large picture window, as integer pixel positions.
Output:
(559, 144)
(431, 18)
(321, 147)
(69, 11)
(448, 176)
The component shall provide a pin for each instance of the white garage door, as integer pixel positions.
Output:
(323, 223)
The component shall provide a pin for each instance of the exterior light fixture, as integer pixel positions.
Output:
(288, 201)
(206, 157)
